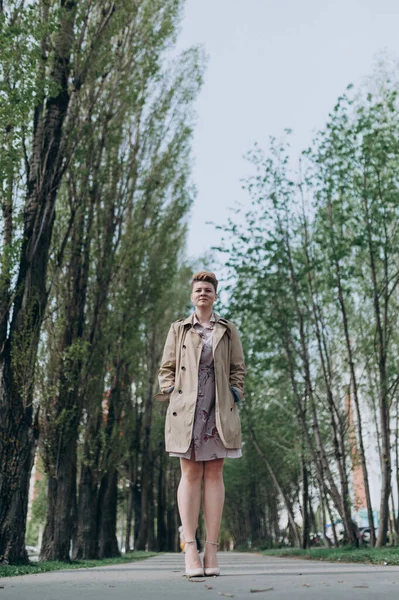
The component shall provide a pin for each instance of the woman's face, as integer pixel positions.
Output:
(203, 295)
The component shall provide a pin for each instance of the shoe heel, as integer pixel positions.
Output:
(212, 572)
(198, 571)
(194, 572)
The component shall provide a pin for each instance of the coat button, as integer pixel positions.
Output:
(231, 408)
(183, 368)
(175, 414)
(180, 391)
(184, 346)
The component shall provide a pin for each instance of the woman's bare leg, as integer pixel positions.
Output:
(213, 506)
(189, 501)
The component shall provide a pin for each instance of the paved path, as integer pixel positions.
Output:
(243, 576)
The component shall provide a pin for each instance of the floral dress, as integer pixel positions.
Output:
(206, 443)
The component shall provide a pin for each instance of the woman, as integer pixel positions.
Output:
(202, 376)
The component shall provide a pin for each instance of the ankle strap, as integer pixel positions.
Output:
(190, 541)
(213, 543)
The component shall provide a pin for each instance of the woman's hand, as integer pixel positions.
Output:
(236, 395)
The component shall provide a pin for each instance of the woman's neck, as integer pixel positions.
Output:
(204, 316)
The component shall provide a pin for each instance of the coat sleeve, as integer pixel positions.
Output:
(237, 365)
(167, 371)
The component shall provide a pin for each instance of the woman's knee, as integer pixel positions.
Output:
(191, 470)
(213, 469)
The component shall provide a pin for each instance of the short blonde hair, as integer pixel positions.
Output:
(205, 276)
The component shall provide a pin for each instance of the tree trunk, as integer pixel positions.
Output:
(253, 514)
(287, 503)
(93, 389)
(18, 352)
(316, 447)
(385, 474)
(85, 546)
(305, 500)
(380, 315)
(107, 512)
(162, 506)
(129, 517)
(340, 500)
(348, 344)
(137, 512)
(326, 540)
(335, 537)
(61, 418)
(146, 454)
(274, 518)
(142, 539)
(312, 517)
(359, 428)
(57, 533)
(151, 544)
(397, 461)
(173, 519)
(108, 492)
(14, 503)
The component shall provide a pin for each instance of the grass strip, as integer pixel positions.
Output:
(42, 567)
(375, 556)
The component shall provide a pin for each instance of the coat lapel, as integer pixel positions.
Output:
(221, 325)
(220, 329)
(189, 320)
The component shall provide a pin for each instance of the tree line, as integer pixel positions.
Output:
(96, 119)
(314, 271)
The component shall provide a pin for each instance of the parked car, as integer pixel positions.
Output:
(33, 553)
(365, 534)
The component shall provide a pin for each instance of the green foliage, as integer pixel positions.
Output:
(313, 272)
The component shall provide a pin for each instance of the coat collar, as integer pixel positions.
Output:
(221, 326)
(218, 320)
(197, 322)
(189, 320)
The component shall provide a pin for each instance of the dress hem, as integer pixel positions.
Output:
(231, 453)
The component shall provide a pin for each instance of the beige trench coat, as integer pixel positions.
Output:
(179, 368)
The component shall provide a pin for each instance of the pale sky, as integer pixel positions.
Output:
(273, 64)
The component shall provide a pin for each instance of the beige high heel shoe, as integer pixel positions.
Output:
(211, 571)
(199, 571)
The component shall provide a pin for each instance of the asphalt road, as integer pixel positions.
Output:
(243, 576)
